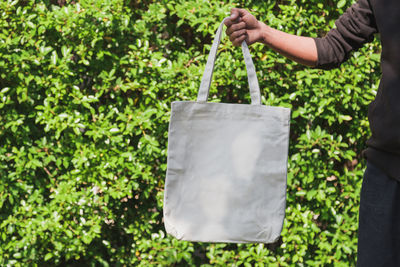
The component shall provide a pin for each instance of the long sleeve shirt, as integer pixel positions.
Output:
(354, 28)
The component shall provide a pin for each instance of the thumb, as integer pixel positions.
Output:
(233, 18)
(234, 13)
(242, 12)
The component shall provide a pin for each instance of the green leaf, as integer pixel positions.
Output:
(54, 57)
(48, 256)
(341, 3)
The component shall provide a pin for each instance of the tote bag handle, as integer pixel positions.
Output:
(208, 72)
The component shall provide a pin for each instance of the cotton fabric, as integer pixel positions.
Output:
(379, 231)
(354, 28)
(226, 166)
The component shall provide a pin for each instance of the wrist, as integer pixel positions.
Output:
(263, 29)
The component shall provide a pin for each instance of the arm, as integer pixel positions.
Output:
(244, 26)
(354, 28)
(298, 48)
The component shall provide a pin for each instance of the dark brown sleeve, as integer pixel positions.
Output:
(353, 29)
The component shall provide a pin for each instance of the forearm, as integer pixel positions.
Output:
(298, 48)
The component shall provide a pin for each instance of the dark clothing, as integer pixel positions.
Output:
(354, 28)
(378, 231)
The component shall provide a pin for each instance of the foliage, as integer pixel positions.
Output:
(85, 94)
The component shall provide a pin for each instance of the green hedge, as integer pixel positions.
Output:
(85, 94)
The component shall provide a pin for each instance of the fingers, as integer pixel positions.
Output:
(238, 41)
(236, 14)
(240, 11)
(237, 34)
(233, 17)
(235, 27)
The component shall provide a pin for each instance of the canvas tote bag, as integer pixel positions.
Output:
(226, 166)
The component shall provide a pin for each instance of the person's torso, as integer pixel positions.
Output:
(387, 16)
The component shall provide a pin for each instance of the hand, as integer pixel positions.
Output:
(243, 26)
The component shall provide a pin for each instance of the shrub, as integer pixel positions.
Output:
(85, 94)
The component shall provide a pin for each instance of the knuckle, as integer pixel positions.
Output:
(234, 34)
(235, 26)
(238, 34)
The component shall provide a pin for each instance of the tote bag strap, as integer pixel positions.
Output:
(208, 72)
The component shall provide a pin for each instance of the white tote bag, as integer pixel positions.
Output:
(226, 166)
